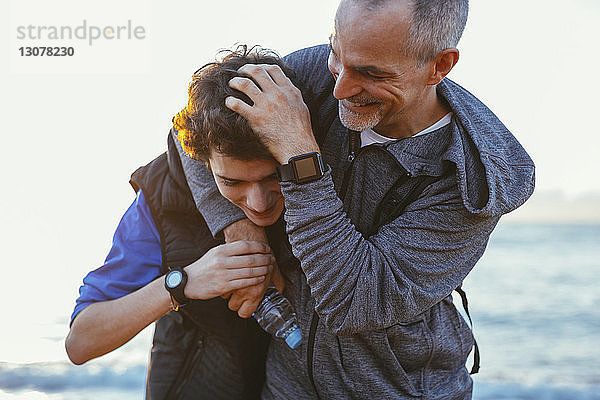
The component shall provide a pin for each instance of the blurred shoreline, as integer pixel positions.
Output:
(555, 207)
(533, 298)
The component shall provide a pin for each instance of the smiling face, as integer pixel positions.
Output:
(251, 185)
(377, 84)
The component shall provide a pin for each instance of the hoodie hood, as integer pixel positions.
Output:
(488, 158)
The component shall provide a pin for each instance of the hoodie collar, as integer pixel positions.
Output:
(494, 173)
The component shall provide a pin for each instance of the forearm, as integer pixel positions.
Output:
(102, 327)
(363, 283)
(244, 229)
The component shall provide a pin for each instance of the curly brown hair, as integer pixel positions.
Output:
(206, 124)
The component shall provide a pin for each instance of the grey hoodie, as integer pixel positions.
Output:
(385, 325)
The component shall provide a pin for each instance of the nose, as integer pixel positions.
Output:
(346, 81)
(257, 198)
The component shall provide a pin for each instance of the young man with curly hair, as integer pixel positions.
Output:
(165, 265)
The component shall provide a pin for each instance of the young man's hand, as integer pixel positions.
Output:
(245, 300)
(229, 267)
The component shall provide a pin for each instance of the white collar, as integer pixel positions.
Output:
(370, 136)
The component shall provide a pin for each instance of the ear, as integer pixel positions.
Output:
(442, 64)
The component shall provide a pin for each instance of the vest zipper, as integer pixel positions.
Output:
(183, 375)
(187, 372)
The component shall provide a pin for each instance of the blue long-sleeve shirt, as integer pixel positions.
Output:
(133, 261)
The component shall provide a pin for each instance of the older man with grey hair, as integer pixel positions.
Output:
(394, 178)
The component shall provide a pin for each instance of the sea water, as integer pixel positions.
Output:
(534, 298)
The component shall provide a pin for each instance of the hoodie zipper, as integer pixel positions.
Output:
(311, 350)
(353, 148)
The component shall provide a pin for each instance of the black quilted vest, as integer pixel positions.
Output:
(205, 351)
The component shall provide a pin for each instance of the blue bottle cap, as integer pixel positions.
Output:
(294, 339)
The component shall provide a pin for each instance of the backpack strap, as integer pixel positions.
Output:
(405, 191)
(476, 355)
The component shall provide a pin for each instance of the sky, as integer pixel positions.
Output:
(77, 126)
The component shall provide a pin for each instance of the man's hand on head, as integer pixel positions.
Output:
(279, 115)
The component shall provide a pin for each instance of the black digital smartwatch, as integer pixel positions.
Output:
(301, 169)
(175, 281)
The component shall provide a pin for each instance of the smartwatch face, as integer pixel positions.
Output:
(174, 278)
(306, 168)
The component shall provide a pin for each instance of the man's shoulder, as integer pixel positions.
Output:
(310, 66)
(140, 176)
(154, 174)
(503, 162)
(312, 52)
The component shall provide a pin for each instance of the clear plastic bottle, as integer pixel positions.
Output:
(276, 316)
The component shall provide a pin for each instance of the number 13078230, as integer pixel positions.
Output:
(46, 51)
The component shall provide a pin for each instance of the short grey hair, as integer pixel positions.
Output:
(435, 25)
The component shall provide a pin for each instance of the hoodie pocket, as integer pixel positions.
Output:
(453, 337)
(412, 346)
(389, 363)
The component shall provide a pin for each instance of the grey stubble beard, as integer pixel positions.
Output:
(357, 121)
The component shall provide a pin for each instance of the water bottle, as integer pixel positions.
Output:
(276, 316)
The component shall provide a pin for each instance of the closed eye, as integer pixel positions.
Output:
(373, 73)
(370, 72)
(374, 76)
(229, 183)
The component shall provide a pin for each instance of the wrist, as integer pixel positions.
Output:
(300, 169)
(175, 283)
(244, 229)
(289, 150)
